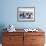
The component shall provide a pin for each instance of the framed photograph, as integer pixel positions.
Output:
(26, 14)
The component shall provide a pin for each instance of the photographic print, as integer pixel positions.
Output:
(25, 14)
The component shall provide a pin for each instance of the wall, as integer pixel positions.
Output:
(8, 13)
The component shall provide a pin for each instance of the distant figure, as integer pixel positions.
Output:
(22, 15)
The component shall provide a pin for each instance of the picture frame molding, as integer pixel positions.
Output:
(25, 20)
